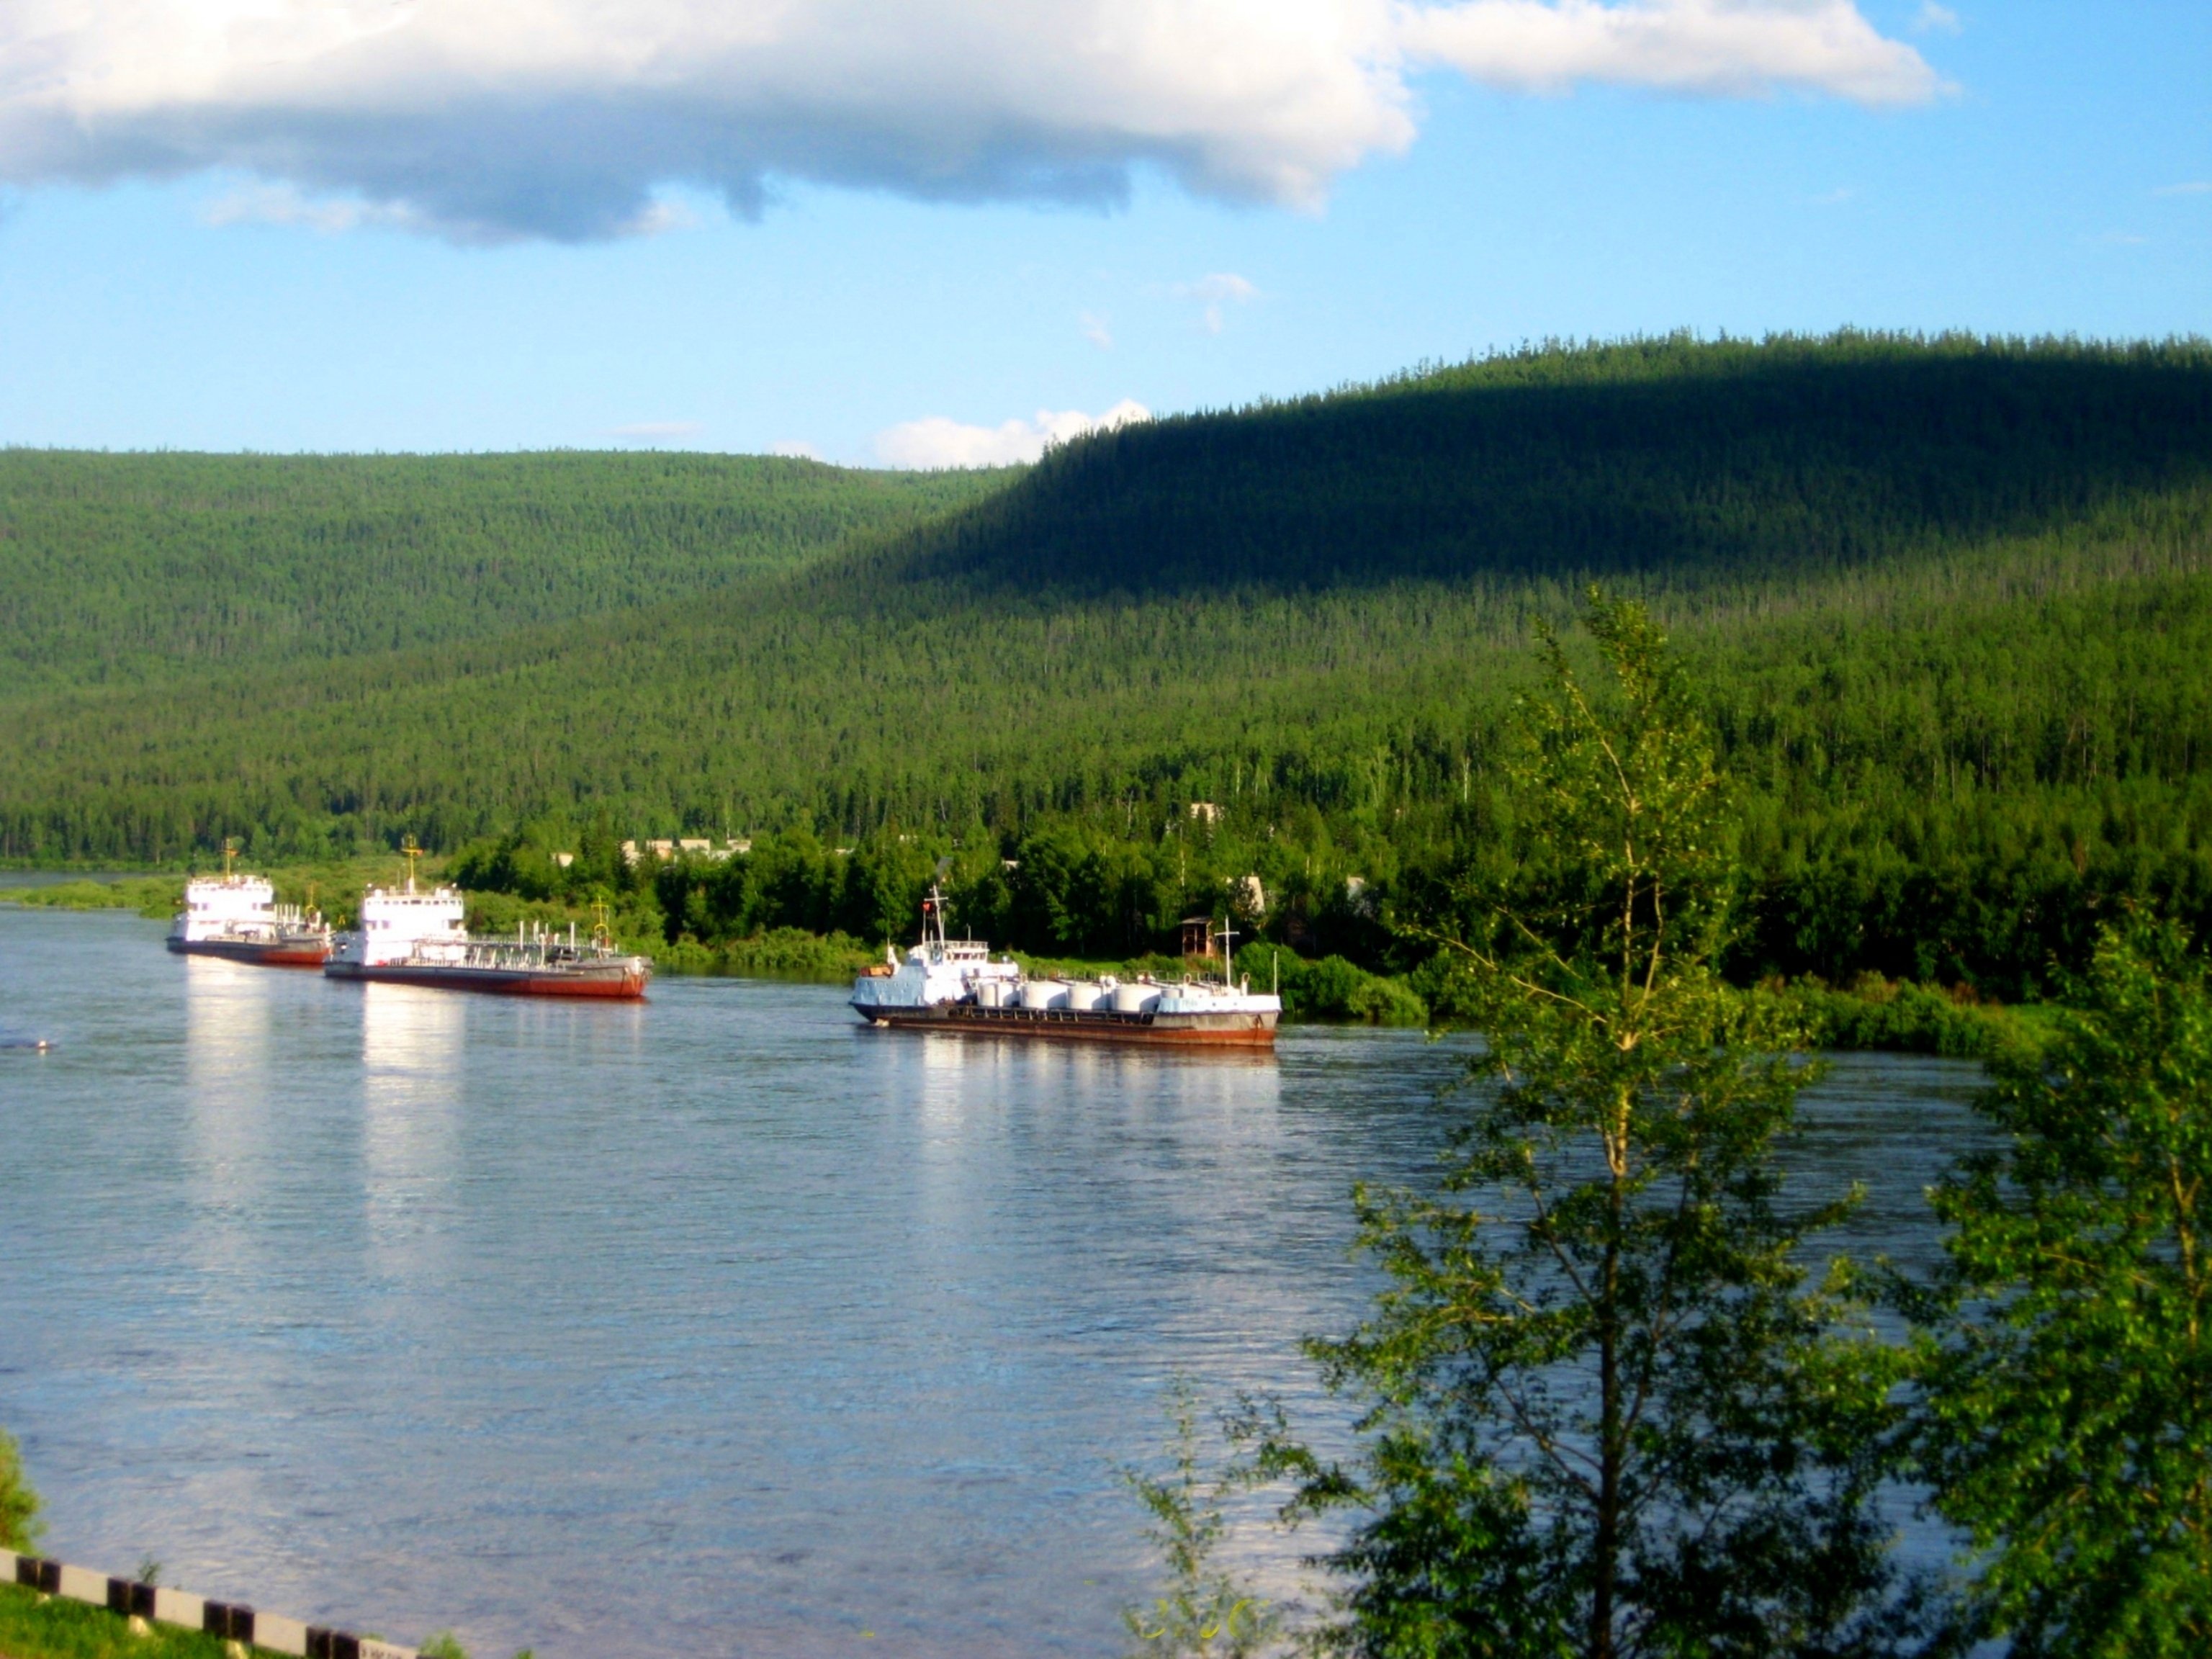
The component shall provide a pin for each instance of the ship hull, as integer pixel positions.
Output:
(260, 954)
(613, 984)
(1237, 1030)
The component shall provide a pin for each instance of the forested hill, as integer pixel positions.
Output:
(132, 566)
(1665, 456)
(1950, 605)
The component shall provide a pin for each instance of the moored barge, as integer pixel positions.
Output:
(412, 936)
(237, 917)
(954, 986)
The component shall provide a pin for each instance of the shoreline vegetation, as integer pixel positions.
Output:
(1871, 1014)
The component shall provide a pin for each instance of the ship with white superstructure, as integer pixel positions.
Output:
(956, 986)
(414, 935)
(237, 917)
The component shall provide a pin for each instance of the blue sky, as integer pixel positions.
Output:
(2049, 170)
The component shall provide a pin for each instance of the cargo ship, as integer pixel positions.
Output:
(411, 935)
(238, 917)
(955, 986)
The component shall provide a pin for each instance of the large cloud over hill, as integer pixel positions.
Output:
(490, 118)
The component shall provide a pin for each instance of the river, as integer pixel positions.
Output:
(718, 1324)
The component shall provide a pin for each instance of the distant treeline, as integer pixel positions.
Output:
(1950, 605)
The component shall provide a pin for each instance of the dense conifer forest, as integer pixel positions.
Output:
(1948, 602)
(130, 566)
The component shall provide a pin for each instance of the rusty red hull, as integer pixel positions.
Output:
(1061, 1024)
(287, 955)
(613, 987)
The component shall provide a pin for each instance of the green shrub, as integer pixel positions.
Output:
(1899, 1017)
(19, 1504)
(1332, 991)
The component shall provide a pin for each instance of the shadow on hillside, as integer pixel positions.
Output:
(1736, 459)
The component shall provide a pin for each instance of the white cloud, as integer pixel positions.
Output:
(288, 205)
(1095, 330)
(488, 120)
(1719, 48)
(282, 204)
(1835, 198)
(1932, 19)
(1222, 287)
(795, 449)
(2193, 187)
(657, 431)
(657, 218)
(936, 441)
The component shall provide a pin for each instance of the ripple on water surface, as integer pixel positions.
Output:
(717, 1324)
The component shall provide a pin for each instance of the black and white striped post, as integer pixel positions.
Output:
(234, 1621)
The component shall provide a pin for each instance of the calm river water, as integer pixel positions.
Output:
(716, 1325)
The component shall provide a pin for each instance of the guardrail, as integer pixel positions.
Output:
(234, 1621)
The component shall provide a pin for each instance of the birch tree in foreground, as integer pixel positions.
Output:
(2065, 1362)
(1607, 1413)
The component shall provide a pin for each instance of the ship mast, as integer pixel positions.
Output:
(933, 912)
(410, 852)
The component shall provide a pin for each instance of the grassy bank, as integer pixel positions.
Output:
(149, 896)
(35, 1626)
(1898, 1017)
(332, 885)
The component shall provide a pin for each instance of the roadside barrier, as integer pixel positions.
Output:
(233, 1621)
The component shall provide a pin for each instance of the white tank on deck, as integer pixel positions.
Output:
(1136, 999)
(1085, 995)
(991, 993)
(1044, 993)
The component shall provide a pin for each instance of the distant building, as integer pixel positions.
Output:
(1246, 894)
(1204, 812)
(690, 846)
(1198, 936)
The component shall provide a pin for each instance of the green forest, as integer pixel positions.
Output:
(133, 568)
(1947, 604)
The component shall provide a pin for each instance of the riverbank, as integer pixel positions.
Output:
(1873, 1015)
(333, 887)
(35, 1626)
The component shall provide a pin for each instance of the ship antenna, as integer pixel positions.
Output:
(600, 936)
(1228, 949)
(229, 846)
(410, 852)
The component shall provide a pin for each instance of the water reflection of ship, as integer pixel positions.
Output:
(408, 1041)
(232, 1064)
(410, 1053)
(227, 1020)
